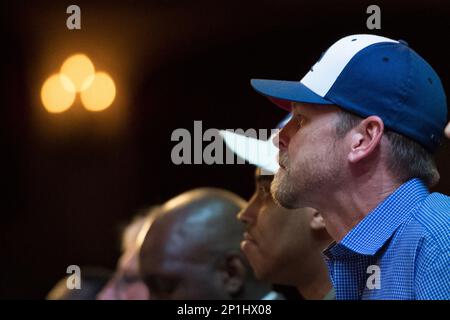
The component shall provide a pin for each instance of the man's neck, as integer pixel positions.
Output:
(347, 206)
(255, 290)
(314, 283)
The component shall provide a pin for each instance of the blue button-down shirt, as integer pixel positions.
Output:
(400, 250)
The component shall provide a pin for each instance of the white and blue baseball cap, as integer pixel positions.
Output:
(372, 75)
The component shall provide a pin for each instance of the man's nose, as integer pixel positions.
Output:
(281, 139)
(248, 214)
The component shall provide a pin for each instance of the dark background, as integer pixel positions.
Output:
(70, 180)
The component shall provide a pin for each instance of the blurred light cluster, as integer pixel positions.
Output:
(77, 75)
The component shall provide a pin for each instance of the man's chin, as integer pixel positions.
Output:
(287, 205)
(280, 198)
(270, 274)
(276, 198)
(256, 263)
(262, 272)
(276, 185)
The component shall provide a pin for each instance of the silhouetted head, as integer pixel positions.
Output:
(127, 284)
(191, 250)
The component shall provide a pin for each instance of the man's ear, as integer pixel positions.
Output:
(235, 273)
(365, 138)
(317, 223)
(447, 130)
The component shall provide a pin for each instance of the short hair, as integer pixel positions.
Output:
(407, 160)
(132, 231)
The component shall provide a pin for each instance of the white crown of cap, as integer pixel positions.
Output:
(324, 73)
(260, 153)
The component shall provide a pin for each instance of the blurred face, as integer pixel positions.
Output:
(276, 238)
(174, 267)
(126, 283)
(179, 278)
(309, 156)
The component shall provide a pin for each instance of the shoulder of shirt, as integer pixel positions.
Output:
(433, 218)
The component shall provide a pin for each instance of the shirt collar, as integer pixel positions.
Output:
(371, 233)
(272, 295)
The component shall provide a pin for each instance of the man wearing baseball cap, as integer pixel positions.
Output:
(367, 118)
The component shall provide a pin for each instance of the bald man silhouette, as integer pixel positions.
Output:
(191, 250)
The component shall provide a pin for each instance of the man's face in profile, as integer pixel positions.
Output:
(174, 267)
(309, 157)
(275, 236)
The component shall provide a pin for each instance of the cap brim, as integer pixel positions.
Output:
(282, 93)
(260, 153)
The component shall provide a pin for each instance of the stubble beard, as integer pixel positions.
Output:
(301, 185)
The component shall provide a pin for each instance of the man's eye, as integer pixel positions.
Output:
(264, 192)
